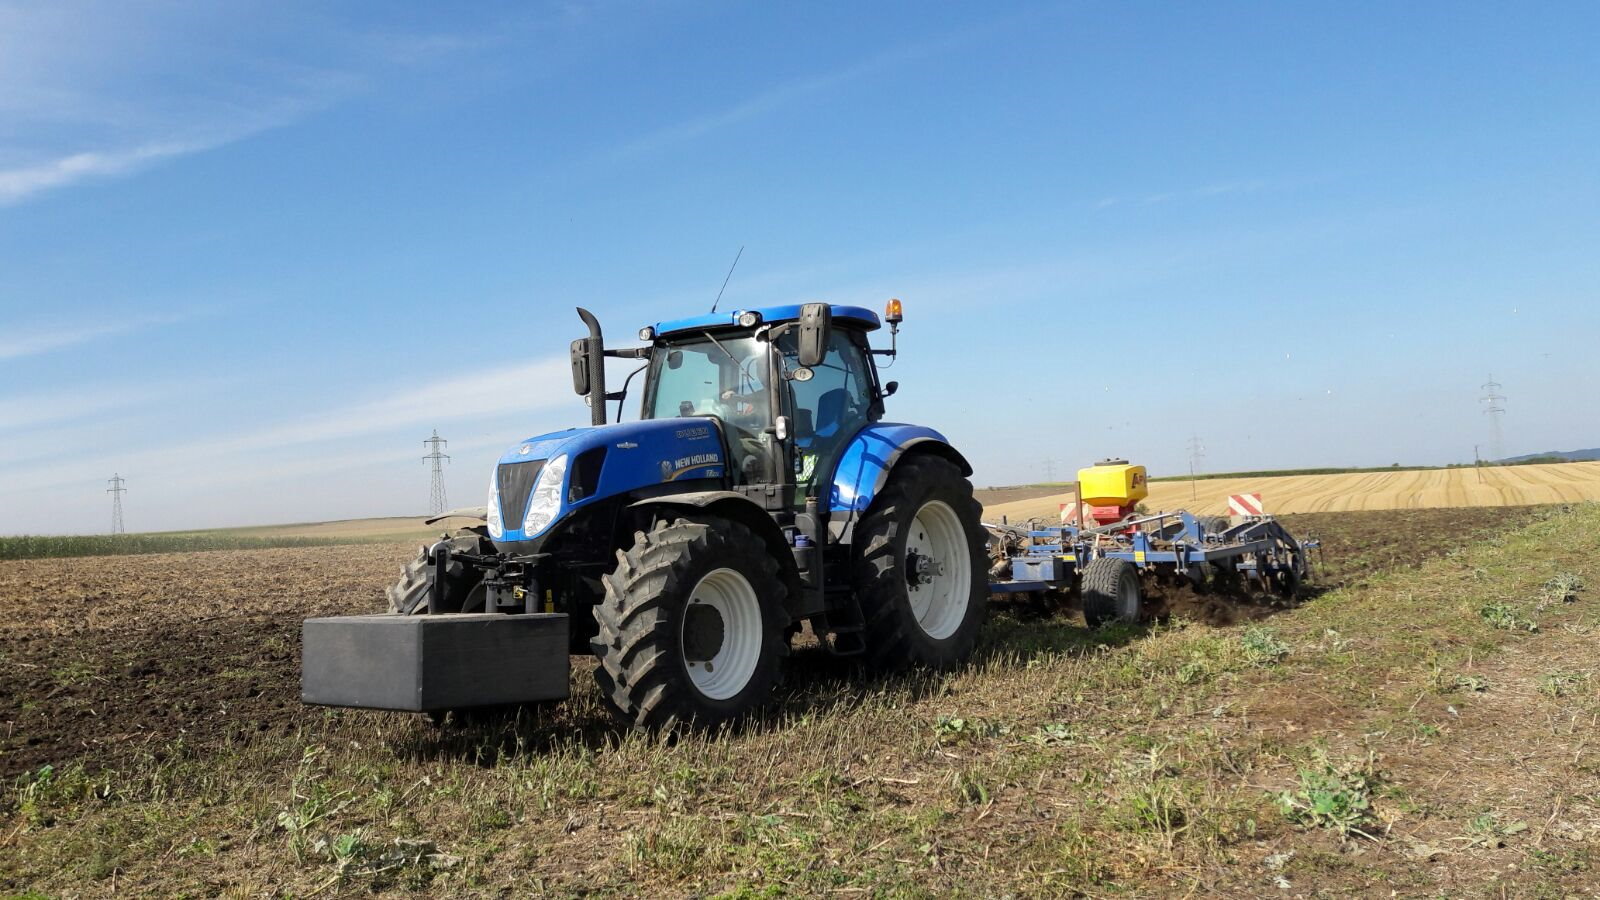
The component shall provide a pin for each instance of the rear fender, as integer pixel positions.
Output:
(865, 465)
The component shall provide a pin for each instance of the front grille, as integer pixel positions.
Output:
(515, 481)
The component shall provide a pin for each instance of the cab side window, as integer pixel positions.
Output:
(830, 406)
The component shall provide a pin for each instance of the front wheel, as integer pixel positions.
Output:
(691, 629)
(919, 573)
(463, 585)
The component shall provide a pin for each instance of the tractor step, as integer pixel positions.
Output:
(434, 663)
(843, 629)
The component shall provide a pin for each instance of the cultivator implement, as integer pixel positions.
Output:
(1107, 563)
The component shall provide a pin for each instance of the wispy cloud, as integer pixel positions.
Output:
(479, 396)
(19, 342)
(18, 413)
(1210, 190)
(93, 92)
(18, 184)
(780, 96)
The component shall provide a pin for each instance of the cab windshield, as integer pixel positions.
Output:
(710, 376)
(724, 377)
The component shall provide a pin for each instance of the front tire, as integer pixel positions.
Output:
(920, 573)
(463, 585)
(691, 630)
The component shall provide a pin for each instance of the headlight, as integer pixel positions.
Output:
(546, 500)
(495, 528)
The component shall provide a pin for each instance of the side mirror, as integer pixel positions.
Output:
(816, 326)
(580, 366)
(890, 388)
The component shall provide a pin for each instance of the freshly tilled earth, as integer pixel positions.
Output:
(108, 654)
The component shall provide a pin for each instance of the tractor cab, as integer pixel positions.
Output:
(790, 385)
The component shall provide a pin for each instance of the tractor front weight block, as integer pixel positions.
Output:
(434, 663)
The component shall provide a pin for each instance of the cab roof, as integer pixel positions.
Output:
(850, 316)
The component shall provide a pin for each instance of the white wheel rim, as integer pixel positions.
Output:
(729, 669)
(942, 589)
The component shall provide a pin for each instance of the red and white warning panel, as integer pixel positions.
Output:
(1069, 516)
(1245, 504)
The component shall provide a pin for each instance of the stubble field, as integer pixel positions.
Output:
(1415, 489)
(1435, 692)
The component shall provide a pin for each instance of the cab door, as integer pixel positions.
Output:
(827, 406)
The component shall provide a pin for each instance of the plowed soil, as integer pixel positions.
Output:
(107, 655)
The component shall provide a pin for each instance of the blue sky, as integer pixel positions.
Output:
(251, 253)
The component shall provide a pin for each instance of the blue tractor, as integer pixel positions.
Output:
(759, 490)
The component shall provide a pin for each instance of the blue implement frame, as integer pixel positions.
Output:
(1257, 547)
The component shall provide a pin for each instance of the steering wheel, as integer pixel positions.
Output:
(739, 409)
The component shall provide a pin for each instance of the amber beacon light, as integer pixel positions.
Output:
(892, 314)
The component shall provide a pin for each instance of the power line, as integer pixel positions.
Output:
(1197, 452)
(1492, 400)
(1049, 471)
(437, 504)
(116, 491)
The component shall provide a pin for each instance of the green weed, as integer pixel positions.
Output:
(1560, 684)
(1261, 646)
(1502, 615)
(1487, 831)
(1333, 797)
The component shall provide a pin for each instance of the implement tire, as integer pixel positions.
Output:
(691, 629)
(463, 588)
(921, 567)
(1111, 592)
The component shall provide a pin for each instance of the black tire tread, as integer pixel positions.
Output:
(880, 574)
(640, 676)
(1101, 579)
(409, 595)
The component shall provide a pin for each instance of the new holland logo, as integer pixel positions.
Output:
(672, 469)
(525, 449)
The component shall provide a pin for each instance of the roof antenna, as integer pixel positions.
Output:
(725, 280)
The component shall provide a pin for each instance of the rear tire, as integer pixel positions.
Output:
(691, 630)
(923, 613)
(463, 589)
(1111, 592)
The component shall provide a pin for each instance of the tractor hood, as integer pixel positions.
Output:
(542, 479)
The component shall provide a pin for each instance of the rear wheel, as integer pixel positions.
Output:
(691, 630)
(920, 573)
(1111, 592)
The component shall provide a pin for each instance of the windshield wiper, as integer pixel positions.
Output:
(744, 376)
